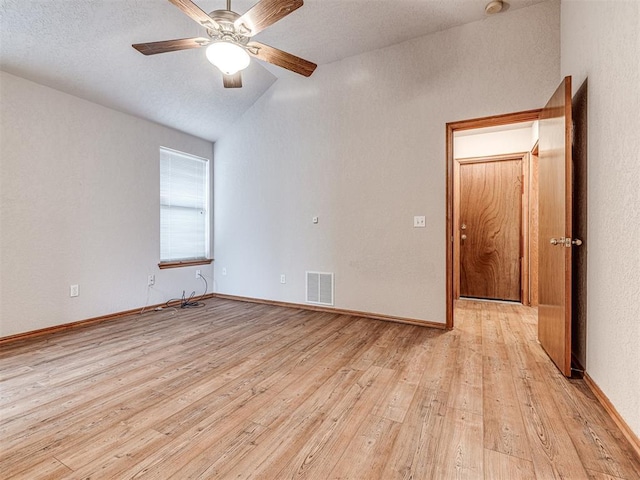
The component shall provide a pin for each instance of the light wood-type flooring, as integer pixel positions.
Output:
(240, 390)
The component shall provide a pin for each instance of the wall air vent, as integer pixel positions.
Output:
(320, 288)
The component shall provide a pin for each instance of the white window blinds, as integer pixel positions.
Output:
(184, 202)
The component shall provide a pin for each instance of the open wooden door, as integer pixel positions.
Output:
(555, 238)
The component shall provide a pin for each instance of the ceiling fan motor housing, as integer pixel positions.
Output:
(227, 31)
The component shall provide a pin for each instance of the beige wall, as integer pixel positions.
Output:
(361, 145)
(79, 204)
(601, 42)
(477, 143)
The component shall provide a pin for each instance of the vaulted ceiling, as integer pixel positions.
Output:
(84, 48)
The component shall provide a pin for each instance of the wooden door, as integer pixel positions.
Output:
(490, 229)
(555, 227)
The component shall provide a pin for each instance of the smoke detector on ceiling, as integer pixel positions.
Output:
(495, 6)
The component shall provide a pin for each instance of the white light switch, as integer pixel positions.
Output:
(419, 221)
(314, 219)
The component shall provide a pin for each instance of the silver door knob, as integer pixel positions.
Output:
(576, 241)
(463, 237)
(555, 241)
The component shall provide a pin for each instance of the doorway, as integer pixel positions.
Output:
(488, 124)
(558, 160)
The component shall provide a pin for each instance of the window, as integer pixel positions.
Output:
(184, 209)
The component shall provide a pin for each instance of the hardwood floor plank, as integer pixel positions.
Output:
(466, 382)
(396, 403)
(506, 467)
(504, 429)
(460, 453)
(438, 368)
(601, 476)
(366, 454)
(48, 469)
(119, 459)
(503, 426)
(418, 440)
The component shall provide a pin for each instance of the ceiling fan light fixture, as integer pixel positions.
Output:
(229, 57)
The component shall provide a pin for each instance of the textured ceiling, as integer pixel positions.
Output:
(83, 48)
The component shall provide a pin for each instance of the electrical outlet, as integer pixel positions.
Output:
(73, 291)
(224, 271)
(283, 278)
(197, 273)
(151, 280)
(419, 221)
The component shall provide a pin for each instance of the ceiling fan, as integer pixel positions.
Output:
(229, 45)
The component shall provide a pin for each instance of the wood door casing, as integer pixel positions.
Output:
(555, 222)
(533, 229)
(490, 216)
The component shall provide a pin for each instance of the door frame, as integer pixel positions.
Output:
(451, 127)
(524, 157)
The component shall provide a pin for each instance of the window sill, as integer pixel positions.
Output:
(185, 263)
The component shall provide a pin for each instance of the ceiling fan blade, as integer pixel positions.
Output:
(265, 13)
(195, 12)
(232, 81)
(281, 59)
(152, 48)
